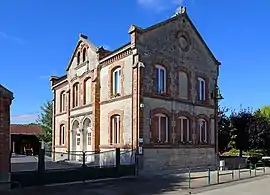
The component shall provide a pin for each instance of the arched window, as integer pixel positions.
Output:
(160, 130)
(116, 81)
(161, 80)
(184, 129)
(183, 85)
(201, 89)
(78, 58)
(203, 131)
(84, 54)
(87, 91)
(115, 130)
(62, 101)
(62, 135)
(75, 95)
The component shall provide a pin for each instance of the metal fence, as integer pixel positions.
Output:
(76, 166)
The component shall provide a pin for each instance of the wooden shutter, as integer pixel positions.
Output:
(163, 129)
(154, 129)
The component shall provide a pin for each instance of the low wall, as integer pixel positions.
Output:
(157, 160)
(233, 162)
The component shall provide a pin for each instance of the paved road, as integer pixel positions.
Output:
(162, 185)
(258, 187)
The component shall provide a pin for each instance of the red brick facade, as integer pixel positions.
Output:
(5, 102)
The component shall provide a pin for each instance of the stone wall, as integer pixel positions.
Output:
(5, 101)
(158, 160)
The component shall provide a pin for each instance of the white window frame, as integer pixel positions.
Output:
(159, 127)
(87, 92)
(115, 133)
(75, 101)
(63, 101)
(78, 139)
(201, 129)
(116, 87)
(159, 81)
(63, 138)
(89, 138)
(201, 94)
(182, 129)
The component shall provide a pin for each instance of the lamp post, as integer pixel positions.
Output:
(216, 96)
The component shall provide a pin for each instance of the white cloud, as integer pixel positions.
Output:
(12, 38)
(159, 5)
(24, 118)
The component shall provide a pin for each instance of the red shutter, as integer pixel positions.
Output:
(154, 129)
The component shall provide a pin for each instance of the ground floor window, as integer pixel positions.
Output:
(160, 129)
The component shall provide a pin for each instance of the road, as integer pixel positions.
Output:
(153, 186)
(258, 187)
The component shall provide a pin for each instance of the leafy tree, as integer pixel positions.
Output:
(240, 123)
(264, 111)
(45, 121)
(224, 130)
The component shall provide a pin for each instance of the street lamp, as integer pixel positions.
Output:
(216, 96)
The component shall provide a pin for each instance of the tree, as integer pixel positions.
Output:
(45, 121)
(224, 130)
(240, 123)
(264, 111)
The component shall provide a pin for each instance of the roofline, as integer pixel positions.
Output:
(116, 51)
(144, 30)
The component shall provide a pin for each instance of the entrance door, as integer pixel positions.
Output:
(78, 145)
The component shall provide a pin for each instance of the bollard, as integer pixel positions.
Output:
(208, 176)
(255, 169)
(232, 174)
(239, 168)
(250, 166)
(189, 179)
(218, 176)
(263, 168)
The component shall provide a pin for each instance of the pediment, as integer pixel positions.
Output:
(82, 43)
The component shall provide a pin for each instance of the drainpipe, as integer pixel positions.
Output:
(68, 122)
(54, 94)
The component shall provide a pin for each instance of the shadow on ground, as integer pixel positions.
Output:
(143, 185)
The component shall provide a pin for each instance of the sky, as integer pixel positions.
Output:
(37, 39)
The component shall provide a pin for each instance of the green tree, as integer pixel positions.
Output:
(224, 129)
(264, 111)
(241, 122)
(45, 121)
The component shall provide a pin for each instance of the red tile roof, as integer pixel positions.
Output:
(25, 129)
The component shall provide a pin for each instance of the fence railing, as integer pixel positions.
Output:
(105, 165)
(214, 177)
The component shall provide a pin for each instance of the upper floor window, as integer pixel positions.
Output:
(183, 85)
(116, 79)
(84, 54)
(75, 95)
(78, 58)
(201, 89)
(115, 130)
(203, 131)
(87, 91)
(62, 101)
(160, 130)
(160, 79)
(185, 135)
(62, 135)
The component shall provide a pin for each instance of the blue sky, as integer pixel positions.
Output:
(37, 39)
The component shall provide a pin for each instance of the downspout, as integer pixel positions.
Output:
(68, 122)
(54, 94)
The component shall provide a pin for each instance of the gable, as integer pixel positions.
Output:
(167, 37)
(83, 43)
(5, 91)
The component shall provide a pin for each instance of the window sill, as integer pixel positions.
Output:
(113, 96)
(60, 146)
(113, 146)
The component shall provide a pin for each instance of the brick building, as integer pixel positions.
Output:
(154, 91)
(6, 98)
